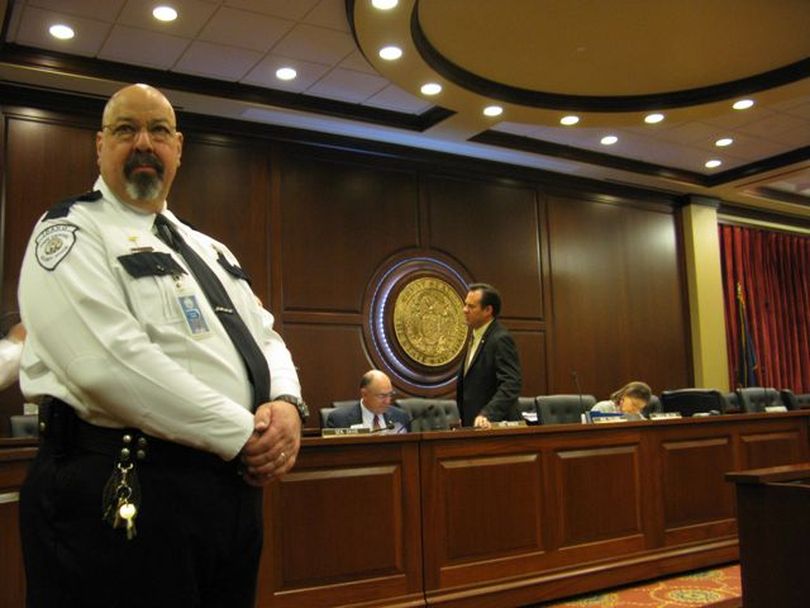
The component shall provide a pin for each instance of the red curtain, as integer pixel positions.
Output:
(773, 270)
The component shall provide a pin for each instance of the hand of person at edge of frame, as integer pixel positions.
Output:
(273, 446)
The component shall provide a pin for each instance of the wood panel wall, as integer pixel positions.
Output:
(591, 283)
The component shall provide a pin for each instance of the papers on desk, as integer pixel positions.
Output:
(530, 417)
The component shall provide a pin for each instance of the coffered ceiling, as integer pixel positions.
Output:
(610, 64)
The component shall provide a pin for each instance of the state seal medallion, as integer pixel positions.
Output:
(428, 321)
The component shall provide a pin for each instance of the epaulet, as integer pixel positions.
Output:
(62, 208)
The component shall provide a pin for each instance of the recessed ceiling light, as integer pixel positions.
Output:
(390, 53)
(743, 104)
(286, 73)
(431, 88)
(711, 164)
(652, 119)
(608, 140)
(493, 111)
(569, 120)
(384, 5)
(61, 31)
(723, 142)
(164, 13)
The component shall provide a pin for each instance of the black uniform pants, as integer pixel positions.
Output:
(198, 542)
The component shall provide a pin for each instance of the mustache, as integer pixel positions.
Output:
(143, 159)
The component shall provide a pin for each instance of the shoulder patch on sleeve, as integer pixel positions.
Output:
(54, 243)
(62, 208)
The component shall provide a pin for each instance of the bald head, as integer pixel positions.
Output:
(139, 147)
(376, 391)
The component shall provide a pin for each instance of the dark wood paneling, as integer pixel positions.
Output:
(694, 496)
(343, 527)
(532, 352)
(45, 163)
(594, 482)
(761, 450)
(534, 529)
(340, 223)
(493, 230)
(617, 298)
(14, 463)
(330, 361)
(223, 190)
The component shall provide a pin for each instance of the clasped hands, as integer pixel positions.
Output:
(273, 446)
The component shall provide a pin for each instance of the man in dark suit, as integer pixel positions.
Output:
(489, 380)
(374, 408)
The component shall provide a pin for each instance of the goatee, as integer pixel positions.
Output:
(143, 185)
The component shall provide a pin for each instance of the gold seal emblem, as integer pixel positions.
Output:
(429, 322)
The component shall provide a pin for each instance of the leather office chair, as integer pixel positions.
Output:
(653, 406)
(691, 401)
(788, 399)
(426, 414)
(325, 411)
(450, 408)
(755, 399)
(802, 401)
(345, 403)
(527, 406)
(732, 402)
(563, 409)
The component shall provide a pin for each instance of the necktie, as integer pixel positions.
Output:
(376, 426)
(220, 301)
(470, 353)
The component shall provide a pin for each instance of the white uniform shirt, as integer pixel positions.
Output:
(10, 352)
(123, 351)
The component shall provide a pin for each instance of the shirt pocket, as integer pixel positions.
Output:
(152, 281)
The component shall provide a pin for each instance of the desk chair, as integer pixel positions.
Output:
(755, 399)
(428, 414)
(563, 409)
(691, 401)
(325, 411)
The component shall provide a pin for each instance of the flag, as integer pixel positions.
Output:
(746, 356)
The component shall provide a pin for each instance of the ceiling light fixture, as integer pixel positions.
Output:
(431, 88)
(569, 120)
(384, 5)
(608, 140)
(61, 31)
(743, 104)
(493, 111)
(652, 119)
(723, 142)
(286, 73)
(711, 164)
(390, 53)
(164, 13)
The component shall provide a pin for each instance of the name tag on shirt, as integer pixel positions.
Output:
(192, 313)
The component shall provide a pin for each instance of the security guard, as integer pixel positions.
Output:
(166, 398)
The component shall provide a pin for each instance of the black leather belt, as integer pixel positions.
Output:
(62, 430)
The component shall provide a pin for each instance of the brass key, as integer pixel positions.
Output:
(127, 511)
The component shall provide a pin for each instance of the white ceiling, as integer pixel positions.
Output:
(243, 42)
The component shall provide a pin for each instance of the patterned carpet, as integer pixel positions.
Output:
(717, 587)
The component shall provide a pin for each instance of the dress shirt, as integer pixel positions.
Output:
(121, 350)
(10, 353)
(476, 342)
(368, 417)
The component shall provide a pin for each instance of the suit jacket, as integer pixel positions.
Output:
(345, 417)
(493, 381)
